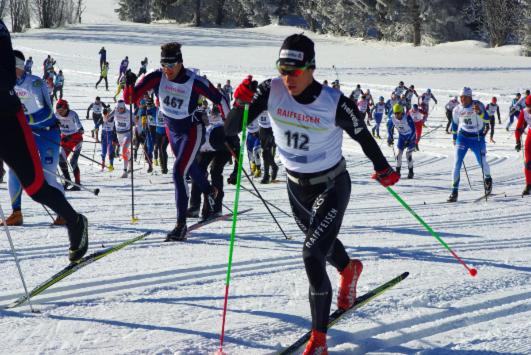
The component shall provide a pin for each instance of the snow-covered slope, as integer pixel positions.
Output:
(167, 298)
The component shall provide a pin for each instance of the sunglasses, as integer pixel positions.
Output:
(169, 65)
(288, 70)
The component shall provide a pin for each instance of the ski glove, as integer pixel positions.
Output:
(386, 177)
(518, 145)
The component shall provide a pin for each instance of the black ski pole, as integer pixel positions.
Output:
(95, 191)
(131, 159)
(466, 172)
(255, 189)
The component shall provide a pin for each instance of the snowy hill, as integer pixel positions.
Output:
(162, 298)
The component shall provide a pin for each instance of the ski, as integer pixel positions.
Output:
(338, 314)
(222, 217)
(73, 267)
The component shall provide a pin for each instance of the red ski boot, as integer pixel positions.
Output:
(317, 344)
(347, 284)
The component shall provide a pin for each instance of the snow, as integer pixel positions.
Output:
(162, 298)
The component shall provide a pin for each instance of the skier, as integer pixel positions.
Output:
(107, 138)
(389, 110)
(378, 112)
(97, 109)
(449, 107)
(213, 153)
(418, 119)
(123, 68)
(121, 85)
(356, 93)
(308, 120)
(267, 142)
(514, 110)
(122, 124)
(424, 102)
(524, 119)
(363, 107)
(491, 109)
(47, 66)
(71, 141)
(18, 147)
(405, 126)
(103, 56)
(143, 67)
(370, 100)
(150, 132)
(29, 65)
(254, 150)
(400, 89)
(103, 75)
(409, 96)
(58, 84)
(178, 90)
(227, 89)
(468, 126)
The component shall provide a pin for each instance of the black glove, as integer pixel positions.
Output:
(518, 145)
(232, 178)
(130, 78)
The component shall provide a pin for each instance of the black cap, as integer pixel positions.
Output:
(171, 53)
(298, 51)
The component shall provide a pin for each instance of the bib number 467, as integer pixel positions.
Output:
(297, 140)
(173, 102)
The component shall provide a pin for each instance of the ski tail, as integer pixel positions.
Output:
(73, 267)
(338, 314)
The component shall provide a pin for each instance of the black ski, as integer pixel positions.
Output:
(338, 314)
(222, 217)
(73, 267)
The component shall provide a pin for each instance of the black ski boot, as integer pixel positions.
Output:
(453, 196)
(266, 179)
(274, 173)
(74, 188)
(78, 236)
(178, 234)
(398, 168)
(527, 190)
(192, 212)
(209, 205)
(488, 185)
(417, 147)
(410, 174)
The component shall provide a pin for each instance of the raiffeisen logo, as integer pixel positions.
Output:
(301, 117)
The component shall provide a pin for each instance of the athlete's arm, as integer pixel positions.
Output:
(146, 83)
(349, 119)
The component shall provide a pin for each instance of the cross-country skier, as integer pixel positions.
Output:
(143, 67)
(121, 85)
(389, 110)
(400, 89)
(29, 65)
(122, 124)
(104, 70)
(468, 129)
(71, 141)
(514, 110)
(424, 102)
(103, 56)
(524, 119)
(178, 91)
(124, 65)
(267, 142)
(378, 112)
(97, 109)
(227, 89)
(363, 107)
(405, 126)
(254, 150)
(214, 154)
(19, 150)
(449, 107)
(58, 83)
(308, 121)
(492, 109)
(417, 115)
(355, 94)
(107, 137)
(409, 96)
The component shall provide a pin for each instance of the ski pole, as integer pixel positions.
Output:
(466, 172)
(96, 191)
(266, 201)
(234, 220)
(6, 228)
(472, 271)
(258, 192)
(131, 161)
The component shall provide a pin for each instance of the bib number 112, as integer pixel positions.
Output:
(297, 140)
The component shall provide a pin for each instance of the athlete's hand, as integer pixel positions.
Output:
(518, 145)
(386, 177)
